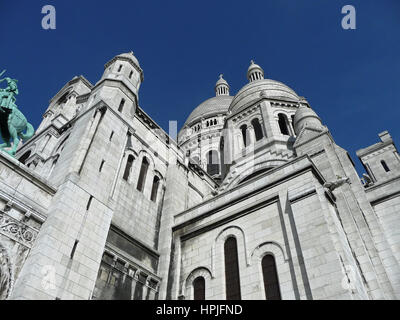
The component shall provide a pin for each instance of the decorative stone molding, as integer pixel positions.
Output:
(284, 104)
(131, 264)
(268, 247)
(375, 152)
(238, 233)
(296, 195)
(34, 178)
(246, 113)
(187, 286)
(17, 230)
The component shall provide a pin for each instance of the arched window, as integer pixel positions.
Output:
(232, 277)
(25, 157)
(154, 188)
(128, 167)
(283, 124)
(245, 137)
(257, 129)
(199, 288)
(271, 284)
(130, 74)
(292, 116)
(215, 122)
(212, 162)
(385, 166)
(142, 174)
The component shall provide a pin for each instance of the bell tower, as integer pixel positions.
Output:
(119, 84)
(124, 67)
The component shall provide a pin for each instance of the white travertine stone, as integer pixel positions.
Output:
(81, 222)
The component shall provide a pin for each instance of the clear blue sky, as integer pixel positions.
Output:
(350, 77)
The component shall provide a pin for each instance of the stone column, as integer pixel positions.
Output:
(174, 202)
(85, 144)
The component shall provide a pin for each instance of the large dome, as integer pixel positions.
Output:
(210, 107)
(267, 88)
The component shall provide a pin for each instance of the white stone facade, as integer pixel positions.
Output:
(102, 204)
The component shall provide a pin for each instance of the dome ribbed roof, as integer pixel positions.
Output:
(304, 115)
(131, 56)
(210, 107)
(254, 67)
(305, 112)
(269, 89)
(221, 80)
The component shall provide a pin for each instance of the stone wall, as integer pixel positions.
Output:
(284, 212)
(24, 199)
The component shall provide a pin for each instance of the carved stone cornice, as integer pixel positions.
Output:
(17, 230)
(21, 170)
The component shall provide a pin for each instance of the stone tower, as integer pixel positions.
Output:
(254, 201)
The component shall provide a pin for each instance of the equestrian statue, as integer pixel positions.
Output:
(12, 122)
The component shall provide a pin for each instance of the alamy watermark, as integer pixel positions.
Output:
(349, 20)
(48, 277)
(49, 19)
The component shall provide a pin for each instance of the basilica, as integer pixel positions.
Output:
(253, 200)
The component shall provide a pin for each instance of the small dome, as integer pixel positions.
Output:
(305, 116)
(221, 80)
(221, 87)
(130, 56)
(213, 106)
(253, 66)
(254, 72)
(266, 88)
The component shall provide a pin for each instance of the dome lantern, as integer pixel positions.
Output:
(255, 72)
(221, 87)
